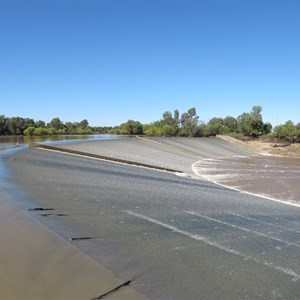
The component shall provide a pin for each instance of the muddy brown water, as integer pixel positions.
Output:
(268, 176)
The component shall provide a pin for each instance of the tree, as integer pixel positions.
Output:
(176, 116)
(40, 131)
(70, 127)
(287, 130)
(17, 125)
(84, 130)
(189, 122)
(40, 123)
(298, 131)
(135, 127)
(3, 125)
(169, 125)
(267, 128)
(231, 123)
(216, 126)
(251, 124)
(29, 130)
(84, 123)
(56, 123)
(130, 127)
(168, 118)
(167, 130)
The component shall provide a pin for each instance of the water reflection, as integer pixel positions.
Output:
(13, 141)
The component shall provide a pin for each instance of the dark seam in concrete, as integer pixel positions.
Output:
(112, 290)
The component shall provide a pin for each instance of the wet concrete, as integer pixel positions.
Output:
(179, 238)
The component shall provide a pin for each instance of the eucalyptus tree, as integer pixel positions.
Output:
(17, 125)
(84, 123)
(56, 123)
(189, 122)
(40, 123)
(286, 130)
(216, 126)
(3, 125)
(231, 123)
(251, 124)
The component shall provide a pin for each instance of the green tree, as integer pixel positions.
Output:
(215, 126)
(168, 118)
(41, 131)
(29, 130)
(84, 123)
(17, 125)
(298, 131)
(189, 122)
(168, 130)
(56, 123)
(169, 124)
(176, 116)
(40, 123)
(251, 124)
(3, 125)
(287, 130)
(84, 130)
(267, 128)
(70, 127)
(130, 127)
(231, 123)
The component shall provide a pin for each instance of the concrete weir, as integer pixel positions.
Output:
(170, 237)
(98, 156)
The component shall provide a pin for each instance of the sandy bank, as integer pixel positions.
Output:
(262, 147)
(37, 264)
(291, 150)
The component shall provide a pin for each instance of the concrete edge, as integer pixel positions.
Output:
(98, 156)
(243, 145)
(166, 146)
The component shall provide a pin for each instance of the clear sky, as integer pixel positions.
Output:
(111, 61)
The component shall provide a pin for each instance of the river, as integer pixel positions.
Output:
(267, 176)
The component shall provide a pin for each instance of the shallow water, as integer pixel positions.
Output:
(175, 237)
(11, 141)
(269, 176)
(32, 256)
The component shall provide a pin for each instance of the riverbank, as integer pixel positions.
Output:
(279, 149)
(265, 147)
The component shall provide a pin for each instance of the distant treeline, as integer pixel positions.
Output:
(248, 124)
(187, 124)
(26, 126)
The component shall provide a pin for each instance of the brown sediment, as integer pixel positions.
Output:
(244, 145)
(261, 147)
(37, 264)
(286, 150)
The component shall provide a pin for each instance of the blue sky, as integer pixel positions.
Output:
(110, 61)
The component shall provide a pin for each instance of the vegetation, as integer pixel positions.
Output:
(25, 126)
(288, 132)
(188, 124)
(171, 124)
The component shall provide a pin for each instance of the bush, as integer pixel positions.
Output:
(287, 130)
(29, 131)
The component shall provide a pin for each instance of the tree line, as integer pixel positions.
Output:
(187, 124)
(27, 126)
(248, 124)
